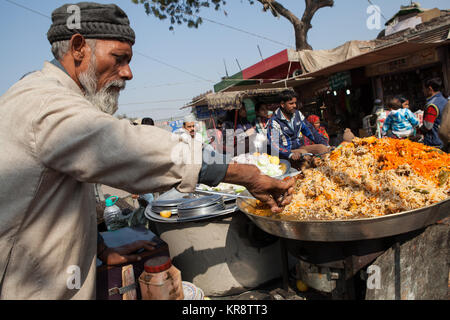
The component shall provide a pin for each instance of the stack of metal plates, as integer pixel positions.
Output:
(170, 200)
(186, 207)
(200, 207)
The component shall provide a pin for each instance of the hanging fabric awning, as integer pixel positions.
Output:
(233, 100)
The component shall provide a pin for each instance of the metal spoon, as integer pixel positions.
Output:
(225, 194)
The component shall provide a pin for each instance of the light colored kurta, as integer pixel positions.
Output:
(54, 144)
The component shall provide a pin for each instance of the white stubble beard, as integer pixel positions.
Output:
(107, 98)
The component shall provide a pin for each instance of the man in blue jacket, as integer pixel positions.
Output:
(433, 111)
(286, 129)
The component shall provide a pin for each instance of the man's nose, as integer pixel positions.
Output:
(125, 72)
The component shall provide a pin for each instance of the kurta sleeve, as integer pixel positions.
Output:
(74, 137)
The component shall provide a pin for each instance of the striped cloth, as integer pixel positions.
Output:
(401, 122)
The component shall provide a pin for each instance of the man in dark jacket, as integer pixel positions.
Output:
(286, 129)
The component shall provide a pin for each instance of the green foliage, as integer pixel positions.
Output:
(180, 11)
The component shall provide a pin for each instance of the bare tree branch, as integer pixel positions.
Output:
(182, 11)
(278, 9)
(312, 6)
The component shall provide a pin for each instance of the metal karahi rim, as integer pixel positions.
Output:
(351, 229)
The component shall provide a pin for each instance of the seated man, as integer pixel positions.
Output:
(286, 128)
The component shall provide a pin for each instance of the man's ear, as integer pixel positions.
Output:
(78, 47)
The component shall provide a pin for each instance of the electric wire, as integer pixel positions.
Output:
(244, 31)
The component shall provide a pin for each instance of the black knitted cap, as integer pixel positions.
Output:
(97, 21)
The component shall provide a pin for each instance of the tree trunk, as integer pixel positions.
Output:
(301, 37)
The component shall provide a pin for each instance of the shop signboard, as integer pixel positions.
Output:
(340, 80)
(203, 113)
(421, 58)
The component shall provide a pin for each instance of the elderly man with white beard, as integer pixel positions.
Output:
(58, 137)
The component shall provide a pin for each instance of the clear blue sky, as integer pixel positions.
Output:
(158, 90)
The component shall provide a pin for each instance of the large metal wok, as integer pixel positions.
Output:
(349, 230)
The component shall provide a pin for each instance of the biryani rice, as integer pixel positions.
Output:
(369, 178)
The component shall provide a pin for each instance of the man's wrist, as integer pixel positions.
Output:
(242, 174)
(102, 254)
(212, 174)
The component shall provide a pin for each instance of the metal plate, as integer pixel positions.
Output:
(173, 198)
(183, 213)
(349, 230)
(204, 201)
(169, 203)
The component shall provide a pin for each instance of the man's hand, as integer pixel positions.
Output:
(273, 192)
(296, 156)
(126, 254)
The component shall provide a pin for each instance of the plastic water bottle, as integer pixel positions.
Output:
(113, 214)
